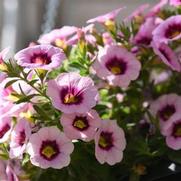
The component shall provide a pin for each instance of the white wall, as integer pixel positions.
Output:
(70, 12)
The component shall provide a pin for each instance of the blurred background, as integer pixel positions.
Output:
(23, 21)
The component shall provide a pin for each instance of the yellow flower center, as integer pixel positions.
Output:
(80, 124)
(139, 19)
(174, 34)
(27, 115)
(178, 131)
(60, 43)
(116, 70)
(70, 98)
(12, 98)
(40, 60)
(103, 142)
(3, 66)
(48, 151)
(110, 24)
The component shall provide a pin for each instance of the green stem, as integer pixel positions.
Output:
(39, 91)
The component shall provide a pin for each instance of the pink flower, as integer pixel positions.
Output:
(169, 30)
(15, 172)
(7, 105)
(14, 88)
(159, 77)
(109, 143)
(107, 39)
(3, 175)
(5, 128)
(106, 17)
(3, 54)
(19, 138)
(81, 126)
(8, 108)
(165, 107)
(144, 35)
(167, 55)
(2, 76)
(11, 175)
(59, 37)
(173, 132)
(50, 148)
(71, 93)
(9, 170)
(157, 8)
(5, 92)
(85, 32)
(175, 2)
(138, 12)
(116, 65)
(40, 56)
(27, 89)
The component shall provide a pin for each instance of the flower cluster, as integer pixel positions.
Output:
(81, 95)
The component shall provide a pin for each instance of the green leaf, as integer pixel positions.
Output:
(10, 82)
(41, 112)
(32, 82)
(26, 98)
(26, 159)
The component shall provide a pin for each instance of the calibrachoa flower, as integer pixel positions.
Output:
(167, 55)
(11, 170)
(17, 87)
(60, 37)
(165, 107)
(109, 143)
(7, 105)
(71, 93)
(11, 175)
(157, 8)
(173, 132)
(15, 172)
(47, 104)
(3, 176)
(5, 92)
(5, 128)
(85, 32)
(2, 76)
(158, 77)
(175, 2)
(169, 30)
(106, 17)
(107, 39)
(16, 110)
(117, 65)
(3, 55)
(50, 148)
(40, 56)
(144, 35)
(19, 138)
(81, 126)
(138, 13)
